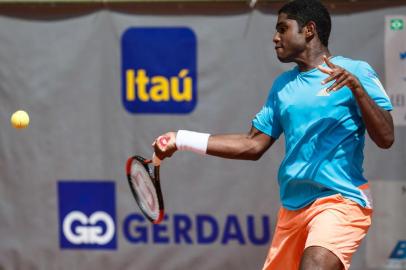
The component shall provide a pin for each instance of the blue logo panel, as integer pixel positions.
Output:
(399, 252)
(159, 70)
(87, 215)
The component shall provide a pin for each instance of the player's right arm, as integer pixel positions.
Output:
(266, 128)
(250, 146)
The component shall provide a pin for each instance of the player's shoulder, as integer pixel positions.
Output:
(284, 78)
(288, 74)
(352, 65)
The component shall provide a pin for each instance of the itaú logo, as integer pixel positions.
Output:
(159, 70)
(98, 228)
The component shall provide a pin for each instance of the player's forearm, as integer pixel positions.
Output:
(234, 146)
(378, 122)
(249, 146)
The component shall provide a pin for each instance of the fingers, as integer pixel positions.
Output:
(156, 160)
(340, 81)
(328, 63)
(330, 66)
(159, 153)
(340, 84)
(340, 76)
(333, 76)
(325, 70)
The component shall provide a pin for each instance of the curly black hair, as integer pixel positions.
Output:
(304, 11)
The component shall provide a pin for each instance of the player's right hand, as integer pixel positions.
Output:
(165, 145)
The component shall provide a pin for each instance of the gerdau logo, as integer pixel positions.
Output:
(88, 230)
(87, 214)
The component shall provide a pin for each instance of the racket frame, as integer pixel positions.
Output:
(154, 178)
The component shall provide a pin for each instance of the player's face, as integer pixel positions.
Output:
(289, 39)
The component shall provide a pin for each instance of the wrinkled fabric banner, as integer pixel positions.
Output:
(64, 197)
(386, 243)
(395, 65)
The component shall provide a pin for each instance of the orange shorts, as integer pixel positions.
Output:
(334, 222)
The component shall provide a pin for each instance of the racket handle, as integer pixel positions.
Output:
(155, 160)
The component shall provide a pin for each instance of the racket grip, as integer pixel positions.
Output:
(155, 160)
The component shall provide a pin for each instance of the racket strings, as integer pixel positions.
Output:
(144, 189)
(144, 181)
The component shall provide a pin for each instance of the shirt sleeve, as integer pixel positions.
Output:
(371, 83)
(267, 120)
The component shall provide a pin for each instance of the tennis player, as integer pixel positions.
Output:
(323, 106)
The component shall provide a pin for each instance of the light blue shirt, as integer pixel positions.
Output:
(324, 133)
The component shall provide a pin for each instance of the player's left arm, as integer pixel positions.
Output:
(378, 121)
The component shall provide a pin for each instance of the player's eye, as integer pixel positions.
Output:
(281, 30)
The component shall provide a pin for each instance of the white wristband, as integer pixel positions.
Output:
(192, 141)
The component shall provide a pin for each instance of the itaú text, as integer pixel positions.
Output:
(199, 229)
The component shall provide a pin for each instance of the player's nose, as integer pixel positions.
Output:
(276, 38)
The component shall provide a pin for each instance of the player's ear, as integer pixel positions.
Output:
(310, 29)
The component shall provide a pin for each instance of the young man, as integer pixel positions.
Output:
(323, 106)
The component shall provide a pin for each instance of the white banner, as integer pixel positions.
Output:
(395, 65)
(386, 241)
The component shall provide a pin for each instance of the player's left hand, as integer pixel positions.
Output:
(341, 77)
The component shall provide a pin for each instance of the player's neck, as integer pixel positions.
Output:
(311, 58)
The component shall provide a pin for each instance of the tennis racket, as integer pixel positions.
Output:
(145, 186)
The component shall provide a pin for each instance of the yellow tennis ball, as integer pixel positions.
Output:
(20, 119)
